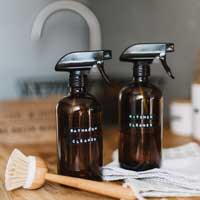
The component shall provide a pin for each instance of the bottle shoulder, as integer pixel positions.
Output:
(85, 100)
(146, 89)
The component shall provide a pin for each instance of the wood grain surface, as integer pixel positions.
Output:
(41, 142)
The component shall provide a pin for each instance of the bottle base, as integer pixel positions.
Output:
(139, 167)
(81, 174)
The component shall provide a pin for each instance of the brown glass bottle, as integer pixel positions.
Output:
(140, 119)
(79, 133)
(141, 108)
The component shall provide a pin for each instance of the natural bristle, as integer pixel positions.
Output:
(16, 170)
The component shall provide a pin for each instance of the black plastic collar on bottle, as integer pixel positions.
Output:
(77, 80)
(140, 70)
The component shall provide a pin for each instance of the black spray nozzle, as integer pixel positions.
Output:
(148, 53)
(84, 60)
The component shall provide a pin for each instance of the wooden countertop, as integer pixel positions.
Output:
(41, 142)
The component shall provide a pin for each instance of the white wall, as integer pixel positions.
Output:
(20, 57)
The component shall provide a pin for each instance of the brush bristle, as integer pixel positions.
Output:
(16, 170)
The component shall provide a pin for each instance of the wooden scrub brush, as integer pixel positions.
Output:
(31, 172)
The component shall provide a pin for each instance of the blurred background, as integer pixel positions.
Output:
(27, 60)
(35, 34)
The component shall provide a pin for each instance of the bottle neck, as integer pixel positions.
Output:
(74, 90)
(141, 79)
(141, 72)
(77, 82)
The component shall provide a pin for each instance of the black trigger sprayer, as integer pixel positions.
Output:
(147, 54)
(79, 125)
(78, 62)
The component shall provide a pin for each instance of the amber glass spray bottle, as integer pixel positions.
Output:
(141, 109)
(79, 128)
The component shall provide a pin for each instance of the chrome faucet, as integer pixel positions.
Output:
(82, 10)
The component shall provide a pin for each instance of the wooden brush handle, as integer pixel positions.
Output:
(107, 189)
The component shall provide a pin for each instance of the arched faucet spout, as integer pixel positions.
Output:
(82, 10)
